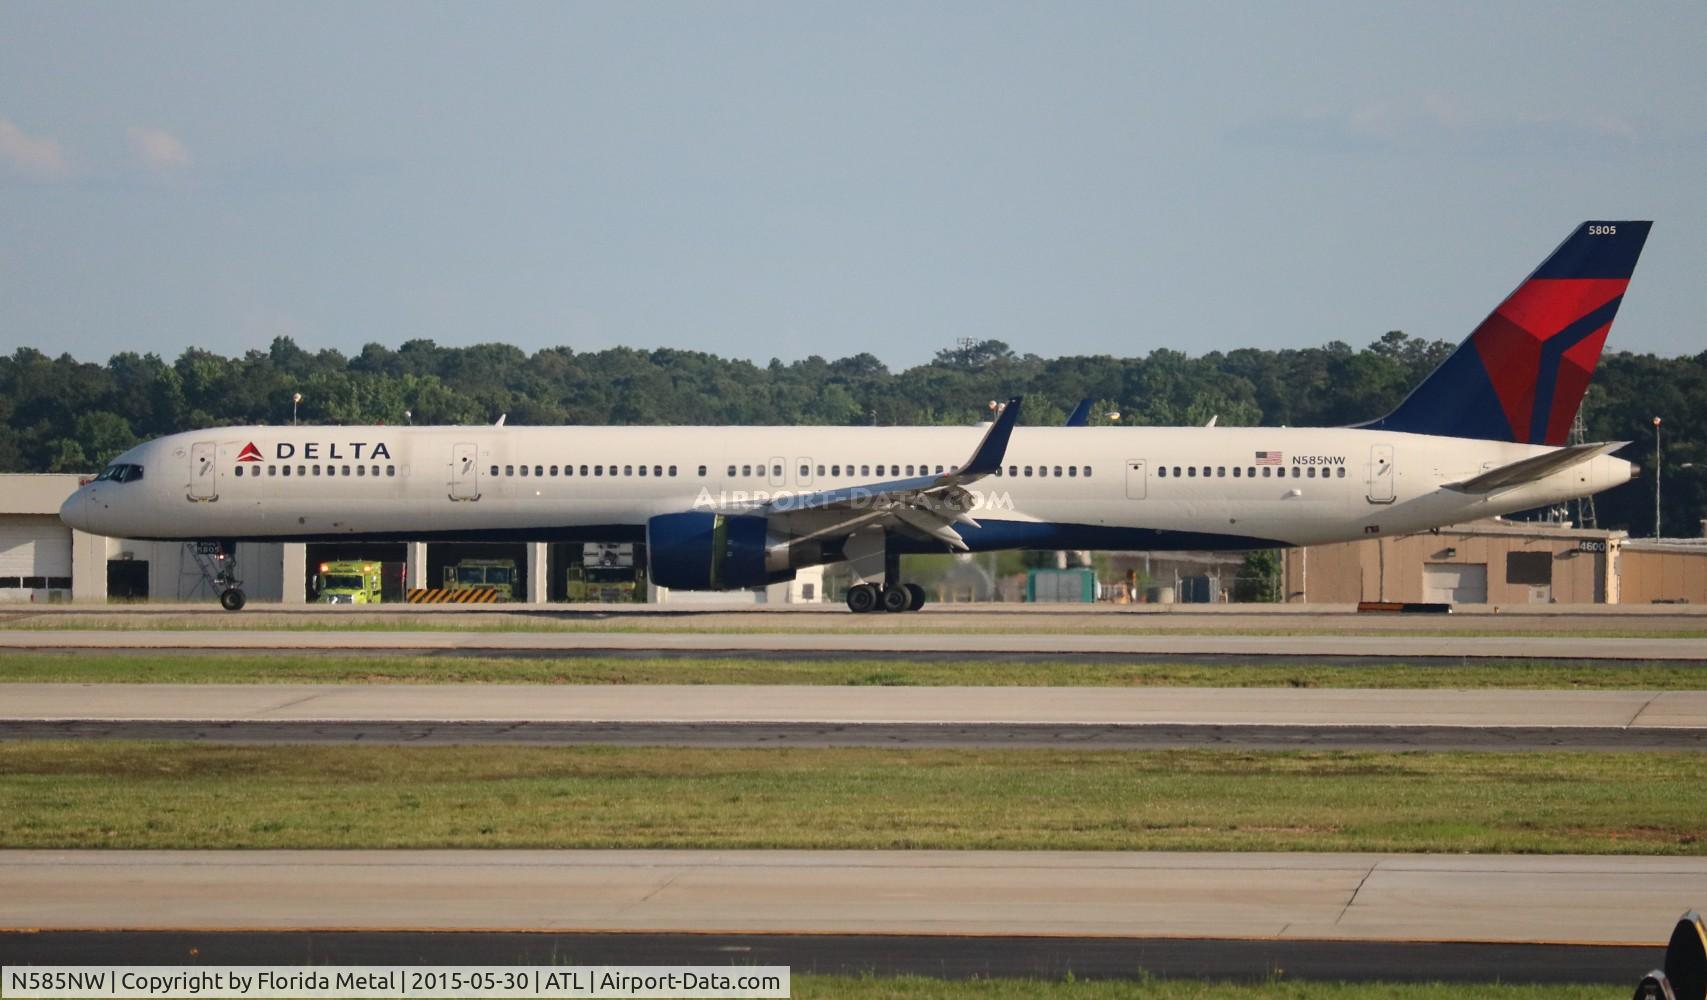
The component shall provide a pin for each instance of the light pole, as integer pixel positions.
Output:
(296, 397)
(1656, 477)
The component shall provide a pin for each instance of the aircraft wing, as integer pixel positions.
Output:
(1529, 470)
(928, 506)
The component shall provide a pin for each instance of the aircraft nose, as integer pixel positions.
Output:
(75, 510)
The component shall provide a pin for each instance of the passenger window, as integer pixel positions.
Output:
(628, 470)
(1057, 472)
(909, 470)
(1191, 471)
(1235, 472)
(1176, 472)
(1087, 472)
(865, 470)
(361, 470)
(509, 470)
(598, 470)
(524, 470)
(539, 470)
(702, 470)
(1013, 470)
(805, 470)
(1312, 472)
(583, 470)
(391, 470)
(672, 471)
(1028, 472)
(939, 470)
(820, 470)
(1251, 472)
(346, 470)
(494, 470)
(1295, 472)
(287, 470)
(643, 470)
(1341, 472)
(1072, 471)
(238, 472)
(317, 470)
(1162, 471)
(746, 470)
(272, 470)
(776, 472)
(835, 470)
(1265, 472)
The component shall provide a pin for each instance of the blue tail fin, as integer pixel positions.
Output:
(1521, 375)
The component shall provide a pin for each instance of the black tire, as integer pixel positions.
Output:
(862, 598)
(917, 593)
(897, 599)
(232, 600)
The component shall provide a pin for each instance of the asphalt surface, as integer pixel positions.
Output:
(894, 735)
(1269, 897)
(841, 705)
(813, 643)
(860, 954)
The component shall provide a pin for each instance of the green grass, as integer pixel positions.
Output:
(72, 794)
(343, 668)
(920, 988)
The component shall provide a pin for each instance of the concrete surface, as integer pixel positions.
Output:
(971, 644)
(1571, 899)
(853, 705)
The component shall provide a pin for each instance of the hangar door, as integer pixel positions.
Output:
(1455, 583)
(33, 546)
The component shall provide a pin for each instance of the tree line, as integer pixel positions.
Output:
(58, 414)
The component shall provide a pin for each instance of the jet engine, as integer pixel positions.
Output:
(698, 550)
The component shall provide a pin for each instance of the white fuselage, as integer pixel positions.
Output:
(1081, 487)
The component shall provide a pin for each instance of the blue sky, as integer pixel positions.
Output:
(780, 180)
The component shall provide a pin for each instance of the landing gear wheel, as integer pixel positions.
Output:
(897, 599)
(917, 593)
(862, 598)
(232, 600)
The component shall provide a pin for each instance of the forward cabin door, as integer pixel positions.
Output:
(465, 472)
(204, 471)
(1136, 484)
(1381, 473)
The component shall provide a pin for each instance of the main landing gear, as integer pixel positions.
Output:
(870, 597)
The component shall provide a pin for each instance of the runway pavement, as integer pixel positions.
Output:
(971, 644)
(1269, 897)
(912, 736)
(735, 703)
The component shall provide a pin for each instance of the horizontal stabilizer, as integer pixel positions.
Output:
(1531, 469)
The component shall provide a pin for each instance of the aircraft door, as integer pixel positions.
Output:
(1136, 485)
(1381, 473)
(465, 472)
(204, 471)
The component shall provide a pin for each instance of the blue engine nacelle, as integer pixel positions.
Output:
(698, 550)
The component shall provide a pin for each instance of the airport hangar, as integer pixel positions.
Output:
(1487, 562)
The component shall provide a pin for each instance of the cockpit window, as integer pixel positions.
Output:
(121, 473)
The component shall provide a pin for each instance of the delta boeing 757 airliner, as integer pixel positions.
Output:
(730, 507)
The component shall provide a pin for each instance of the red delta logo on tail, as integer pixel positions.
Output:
(250, 453)
(1540, 348)
(1521, 375)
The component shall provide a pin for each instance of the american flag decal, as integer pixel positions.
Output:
(1268, 458)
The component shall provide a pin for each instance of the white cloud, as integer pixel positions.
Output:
(39, 157)
(158, 148)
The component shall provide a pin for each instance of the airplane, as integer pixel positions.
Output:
(723, 508)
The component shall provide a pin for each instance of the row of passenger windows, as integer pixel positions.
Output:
(774, 471)
(254, 471)
(587, 470)
(1247, 472)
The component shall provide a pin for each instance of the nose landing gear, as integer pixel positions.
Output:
(218, 563)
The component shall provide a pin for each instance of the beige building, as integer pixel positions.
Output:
(1501, 562)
